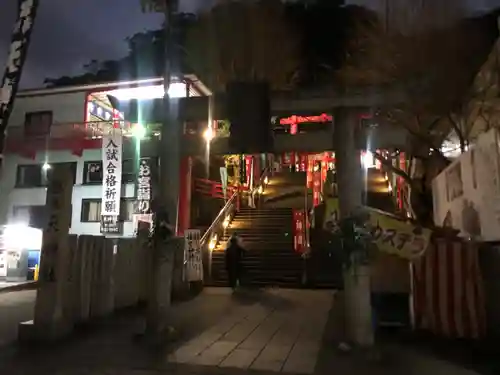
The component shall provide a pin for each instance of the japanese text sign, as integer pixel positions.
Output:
(390, 234)
(144, 187)
(299, 232)
(112, 173)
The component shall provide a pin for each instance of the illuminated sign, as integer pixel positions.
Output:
(294, 119)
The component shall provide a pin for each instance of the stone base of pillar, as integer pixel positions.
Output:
(358, 306)
(30, 333)
(159, 299)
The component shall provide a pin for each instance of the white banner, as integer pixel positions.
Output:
(112, 173)
(193, 255)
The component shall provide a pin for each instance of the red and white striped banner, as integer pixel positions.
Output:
(448, 291)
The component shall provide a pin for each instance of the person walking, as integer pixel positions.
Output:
(234, 255)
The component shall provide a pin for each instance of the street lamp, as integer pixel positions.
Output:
(208, 134)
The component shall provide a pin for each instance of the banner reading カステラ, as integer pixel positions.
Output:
(391, 235)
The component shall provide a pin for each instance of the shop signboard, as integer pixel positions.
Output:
(112, 180)
(392, 235)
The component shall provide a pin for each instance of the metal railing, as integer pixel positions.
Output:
(214, 233)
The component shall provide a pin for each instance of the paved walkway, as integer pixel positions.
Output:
(281, 333)
(253, 332)
(15, 307)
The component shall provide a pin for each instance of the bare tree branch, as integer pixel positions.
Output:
(388, 164)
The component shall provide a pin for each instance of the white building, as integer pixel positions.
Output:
(61, 125)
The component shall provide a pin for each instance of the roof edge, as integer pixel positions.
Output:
(191, 78)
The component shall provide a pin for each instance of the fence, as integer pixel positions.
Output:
(104, 275)
(448, 296)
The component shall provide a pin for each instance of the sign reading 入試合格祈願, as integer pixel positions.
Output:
(390, 234)
(112, 143)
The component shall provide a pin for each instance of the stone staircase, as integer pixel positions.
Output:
(270, 259)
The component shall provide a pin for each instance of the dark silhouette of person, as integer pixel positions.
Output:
(234, 255)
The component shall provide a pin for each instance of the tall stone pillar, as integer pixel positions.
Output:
(52, 320)
(184, 207)
(357, 277)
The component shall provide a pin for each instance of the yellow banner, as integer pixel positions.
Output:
(391, 235)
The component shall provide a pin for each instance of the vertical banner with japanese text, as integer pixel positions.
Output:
(112, 144)
(317, 185)
(299, 230)
(143, 211)
(193, 255)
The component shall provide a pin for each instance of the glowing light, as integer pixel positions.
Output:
(208, 134)
(139, 131)
(389, 188)
(213, 243)
(20, 236)
(226, 222)
(176, 90)
(367, 160)
(266, 180)
(46, 166)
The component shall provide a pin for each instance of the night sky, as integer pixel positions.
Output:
(69, 33)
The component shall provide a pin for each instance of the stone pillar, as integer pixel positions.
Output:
(357, 278)
(170, 161)
(184, 211)
(160, 289)
(51, 320)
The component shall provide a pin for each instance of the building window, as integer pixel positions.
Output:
(91, 210)
(34, 175)
(33, 216)
(127, 209)
(37, 123)
(92, 172)
(128, 171)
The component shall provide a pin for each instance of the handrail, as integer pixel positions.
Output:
(263, 176)
(221, 214)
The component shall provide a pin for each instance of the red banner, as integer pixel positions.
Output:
(248, 166)
(299, 230)
(316, 188)
(310, 169)
(285, 159)
(302, 162)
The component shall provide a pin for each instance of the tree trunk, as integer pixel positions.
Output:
(20, 41)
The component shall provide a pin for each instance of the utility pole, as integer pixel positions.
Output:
(357, 291)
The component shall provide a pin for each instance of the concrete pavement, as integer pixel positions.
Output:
(15, 307)
(282, 332)
(258, 332)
